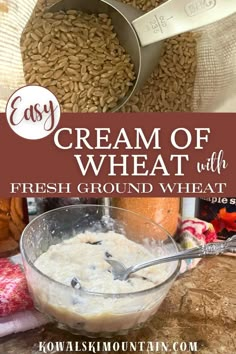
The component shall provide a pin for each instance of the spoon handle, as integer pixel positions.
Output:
(210, 249)
(179, 16)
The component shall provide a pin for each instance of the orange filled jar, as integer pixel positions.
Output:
(13, 219)
(163, 211)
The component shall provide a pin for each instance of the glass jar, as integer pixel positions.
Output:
(163, 211)
(13, 219)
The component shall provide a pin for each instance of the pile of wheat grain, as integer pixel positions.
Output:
(170, 87)
(78, 57)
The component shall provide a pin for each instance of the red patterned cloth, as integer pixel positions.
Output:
(201, 230)
(14, 295)
(192, 233)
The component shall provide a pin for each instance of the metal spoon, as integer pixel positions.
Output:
(211, 249)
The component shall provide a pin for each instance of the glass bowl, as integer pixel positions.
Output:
(84, 312)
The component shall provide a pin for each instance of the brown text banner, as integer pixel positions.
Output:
(140, 154)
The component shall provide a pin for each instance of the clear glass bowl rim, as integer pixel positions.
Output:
(90, 293)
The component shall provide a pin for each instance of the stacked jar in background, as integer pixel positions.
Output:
(13, 219)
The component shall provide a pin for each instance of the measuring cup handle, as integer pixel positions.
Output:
(179, 16)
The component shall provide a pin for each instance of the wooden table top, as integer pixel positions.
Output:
(200, 307)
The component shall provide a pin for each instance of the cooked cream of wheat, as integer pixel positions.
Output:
(84, 257)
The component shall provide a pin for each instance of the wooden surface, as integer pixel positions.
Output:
(200, 307)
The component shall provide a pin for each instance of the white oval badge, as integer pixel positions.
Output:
(33, 112)
(196, 7)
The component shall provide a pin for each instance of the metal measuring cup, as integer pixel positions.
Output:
(142, 34)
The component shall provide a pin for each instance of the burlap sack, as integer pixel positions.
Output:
(14, 15)
(215, 83)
